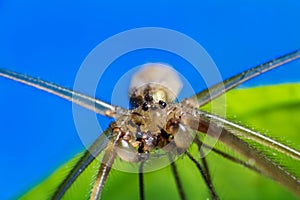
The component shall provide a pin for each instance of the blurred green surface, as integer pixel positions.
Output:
(273, 110)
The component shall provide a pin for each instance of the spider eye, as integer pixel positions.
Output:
(148, 97)
(162, 104)
(145, 106)
(135, 101)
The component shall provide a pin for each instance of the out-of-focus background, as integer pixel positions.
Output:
(50, 40)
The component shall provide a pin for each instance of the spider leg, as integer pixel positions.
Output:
(213, 92)
(141, 181)
(97, 147)
(183, 138)
(104, 170)
(256, 136)
(204, 175)
(206, 168)
(83, 100)
(229, 157)
(177, 178)
(229, 136)
(202, 156)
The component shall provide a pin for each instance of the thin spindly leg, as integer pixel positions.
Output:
(105, 167)
(204, 175)
(83, 100)
(213, 92)
(265, 164)
(229, 136)
(89, 155)
(141, 181)
(255, 136)
(229, 157)
(177, 178)
(203, 159)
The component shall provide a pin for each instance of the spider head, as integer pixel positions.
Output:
(155, 84)
(151, 96)
(154, 126)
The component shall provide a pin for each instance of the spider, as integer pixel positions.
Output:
(158, 129)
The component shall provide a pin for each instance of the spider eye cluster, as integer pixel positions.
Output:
(154, 83)
(148, 97)
(135, 101)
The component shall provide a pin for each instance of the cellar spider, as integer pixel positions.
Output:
(156, 126)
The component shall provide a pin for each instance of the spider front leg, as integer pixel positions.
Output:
(88, 157)
(231, 136)
(106, 164)
(120, 145)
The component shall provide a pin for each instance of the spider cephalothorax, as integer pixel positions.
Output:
(153, 125)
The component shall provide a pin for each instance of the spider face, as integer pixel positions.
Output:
(153, 126)
(151, 94)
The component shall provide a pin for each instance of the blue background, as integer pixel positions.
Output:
(50, 39)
